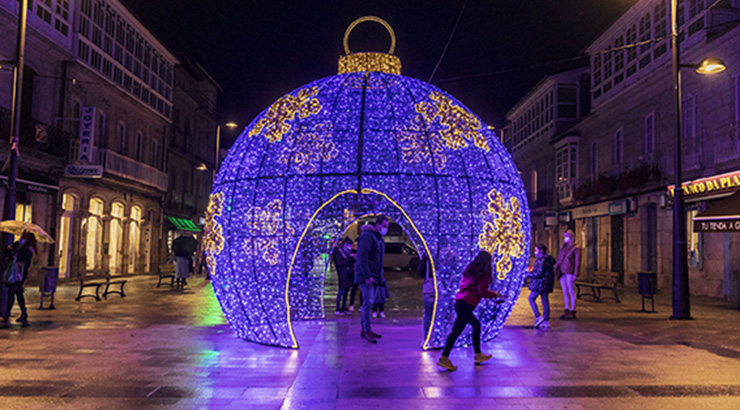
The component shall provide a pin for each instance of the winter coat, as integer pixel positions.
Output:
(542, 278)
(569, 260)
(475, 288)
(345, 266)
(370, 251)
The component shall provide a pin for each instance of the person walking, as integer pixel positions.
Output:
(344, 263)
(566, 269)
(19, 254)
(542, 281)
(424, 270)
(370, 251)
(477, 277)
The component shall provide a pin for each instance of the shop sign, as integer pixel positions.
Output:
(713, 185)
(87, 134)
(551, 218)
(591, 210)
(730, 225)
(565, 217)
(83, 171)
(619, 207)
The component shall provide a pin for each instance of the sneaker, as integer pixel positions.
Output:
(351, 308)
(565, 315)
(375, 335)
(445, 362)
(382, 314)
(572, 315)
(538, 321)
(338, 312)
(482, 357)
(22, 318)
(368, 338)
(375, 314)
(545, 325)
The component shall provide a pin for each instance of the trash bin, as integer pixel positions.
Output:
(49, 284)
(647, 283)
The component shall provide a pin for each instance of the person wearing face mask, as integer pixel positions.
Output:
(566, 269)
(368, 270)
(344, 263)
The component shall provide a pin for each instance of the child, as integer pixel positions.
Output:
(477, 276)
(541, 284)
(381, 294)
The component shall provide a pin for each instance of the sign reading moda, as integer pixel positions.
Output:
(87, 134)
(717, 184)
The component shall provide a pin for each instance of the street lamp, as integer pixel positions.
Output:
(15, 118)
(218, 146)
(681, 303)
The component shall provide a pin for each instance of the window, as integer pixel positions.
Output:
(566, 168)
(618, 54)
(534, 185)
(94, 242)
(645, 33)
(649, 145)
(631, 39)
(122, 135)
(660, 19)
(134, 239)
(617, 148)
(592, 168)
(155, 154)
(139, 146)
(101, 133)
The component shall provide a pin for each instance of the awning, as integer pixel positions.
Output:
(722, 216)
(183, 224)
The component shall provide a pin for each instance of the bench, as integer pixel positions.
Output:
(598, 281)
(97, 283)
(167, 271)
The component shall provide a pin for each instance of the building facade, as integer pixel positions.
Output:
(620, 157)
(192, 149)
(97, 127)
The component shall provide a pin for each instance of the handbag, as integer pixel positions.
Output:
(12, 274)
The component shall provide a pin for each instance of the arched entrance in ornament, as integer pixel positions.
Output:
(304, 285)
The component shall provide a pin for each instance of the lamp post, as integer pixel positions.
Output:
(15, 119)
(217, 161)
(681, 302)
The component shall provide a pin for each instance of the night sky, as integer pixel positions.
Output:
(260, 50)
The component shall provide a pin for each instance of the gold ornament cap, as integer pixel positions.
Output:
(369, 61)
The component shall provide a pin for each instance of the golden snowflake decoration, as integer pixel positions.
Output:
(267, 231)
(440, 124)
(502, 234)
(306, 149)
(213, 238)
(417, 146)
(275, 121)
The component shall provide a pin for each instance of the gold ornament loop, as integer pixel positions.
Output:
(369, 18)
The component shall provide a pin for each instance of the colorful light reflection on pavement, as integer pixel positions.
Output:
(162, 348)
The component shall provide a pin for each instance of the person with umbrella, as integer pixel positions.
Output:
(183, 248)
(18, 256)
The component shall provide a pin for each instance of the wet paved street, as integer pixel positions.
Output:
(166, 348)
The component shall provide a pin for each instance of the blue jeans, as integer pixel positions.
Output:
(342, 298)
(428, 308)
(368, 296)
(545, 304)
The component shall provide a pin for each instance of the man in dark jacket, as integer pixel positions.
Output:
(344, 263)
(370, 251)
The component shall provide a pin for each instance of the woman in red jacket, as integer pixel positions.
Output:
(477, 277)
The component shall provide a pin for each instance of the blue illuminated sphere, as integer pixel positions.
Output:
(346, 146)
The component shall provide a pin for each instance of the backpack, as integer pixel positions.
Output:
(12, 274)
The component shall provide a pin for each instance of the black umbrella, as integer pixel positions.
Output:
(184, 246)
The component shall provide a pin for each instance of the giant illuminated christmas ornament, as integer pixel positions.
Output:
(365, 141)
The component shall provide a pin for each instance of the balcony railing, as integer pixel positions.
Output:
(125, 167)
